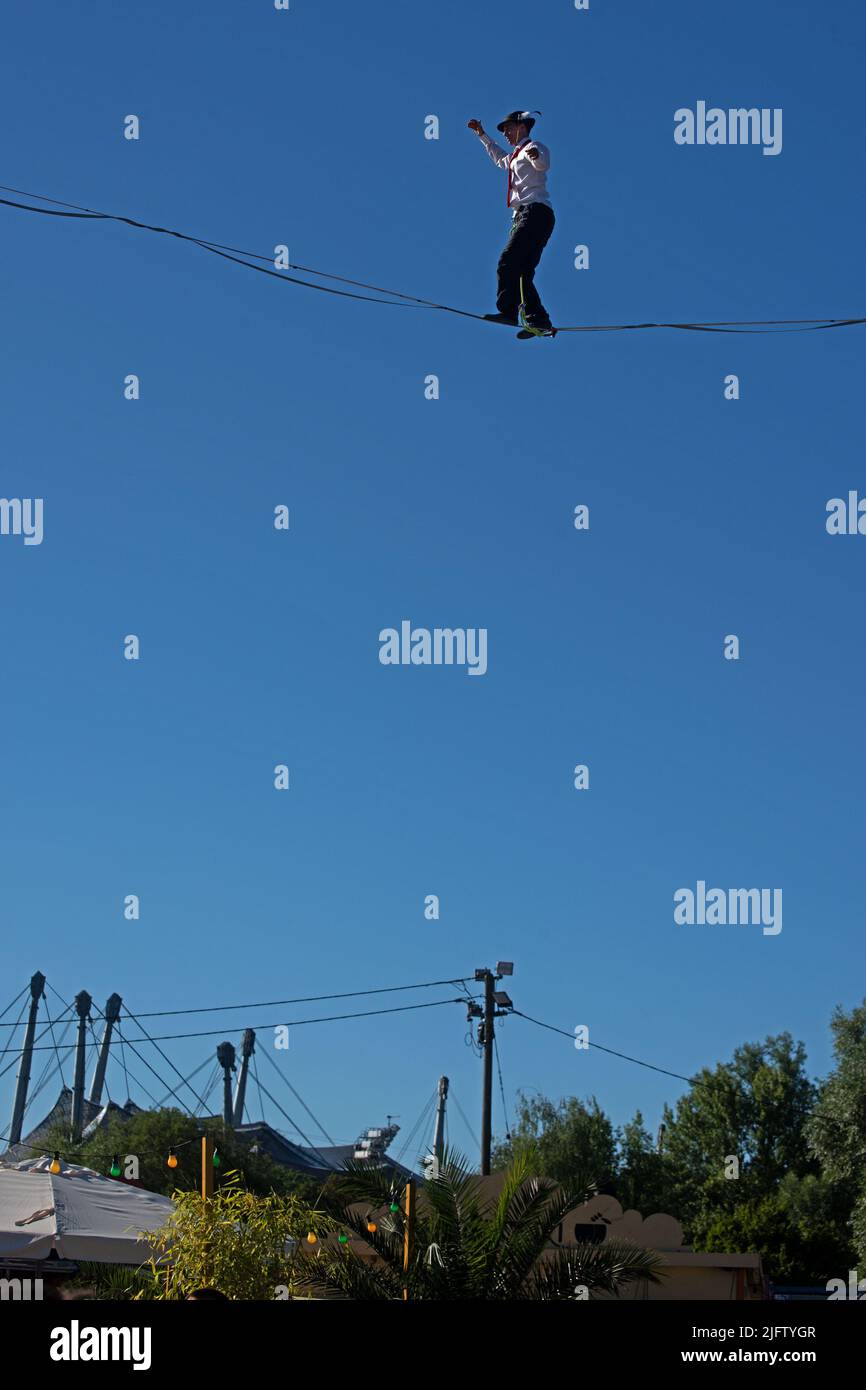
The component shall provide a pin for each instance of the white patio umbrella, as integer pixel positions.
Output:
(77, 1212)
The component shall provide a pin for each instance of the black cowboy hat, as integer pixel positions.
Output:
(526, 118)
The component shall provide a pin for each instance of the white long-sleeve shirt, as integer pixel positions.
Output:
(528, 176)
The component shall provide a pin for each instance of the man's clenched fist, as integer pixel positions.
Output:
(477, 127)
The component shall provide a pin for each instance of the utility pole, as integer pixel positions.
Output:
(487, 1036)
(496, 1005)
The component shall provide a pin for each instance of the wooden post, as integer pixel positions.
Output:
(408, 1234)
(206, 1166)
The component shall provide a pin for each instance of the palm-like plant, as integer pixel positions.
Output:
(467, 1244)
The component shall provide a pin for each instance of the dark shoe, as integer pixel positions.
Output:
(501, 318)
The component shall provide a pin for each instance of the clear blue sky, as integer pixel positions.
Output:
(605, 648)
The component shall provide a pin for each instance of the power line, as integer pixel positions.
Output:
(458, 980)
(398, 299)
(814, 1114)
(303, 999)
(257, 1027)
(693, 1081)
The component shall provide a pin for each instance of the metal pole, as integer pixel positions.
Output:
(226, 1058)
(112, 1014)
(248, 1046)
(83, 1002)
(439, 1128)
(37, 987)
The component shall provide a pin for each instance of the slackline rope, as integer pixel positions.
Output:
(397, 299)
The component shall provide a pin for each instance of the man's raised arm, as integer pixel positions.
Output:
(498, 155)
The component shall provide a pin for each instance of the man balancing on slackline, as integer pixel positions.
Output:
(531, 223)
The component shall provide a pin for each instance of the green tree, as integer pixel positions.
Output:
(758, 1228)
(562, 1140)
(236, 1241)
(468, 1244)
(837, 1130)
(752, 1109)
(801, 1232)
(644, 1179)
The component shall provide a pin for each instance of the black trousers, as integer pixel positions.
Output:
(530, 233)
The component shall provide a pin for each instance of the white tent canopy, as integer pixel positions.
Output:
(78, 1213)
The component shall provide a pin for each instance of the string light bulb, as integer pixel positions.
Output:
(395, 1206)
(172, 1159)
(115, 1167)
(311, 1237)
(54, 1165)
(343, 1238)
(216, 1158)
(371, 1227)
